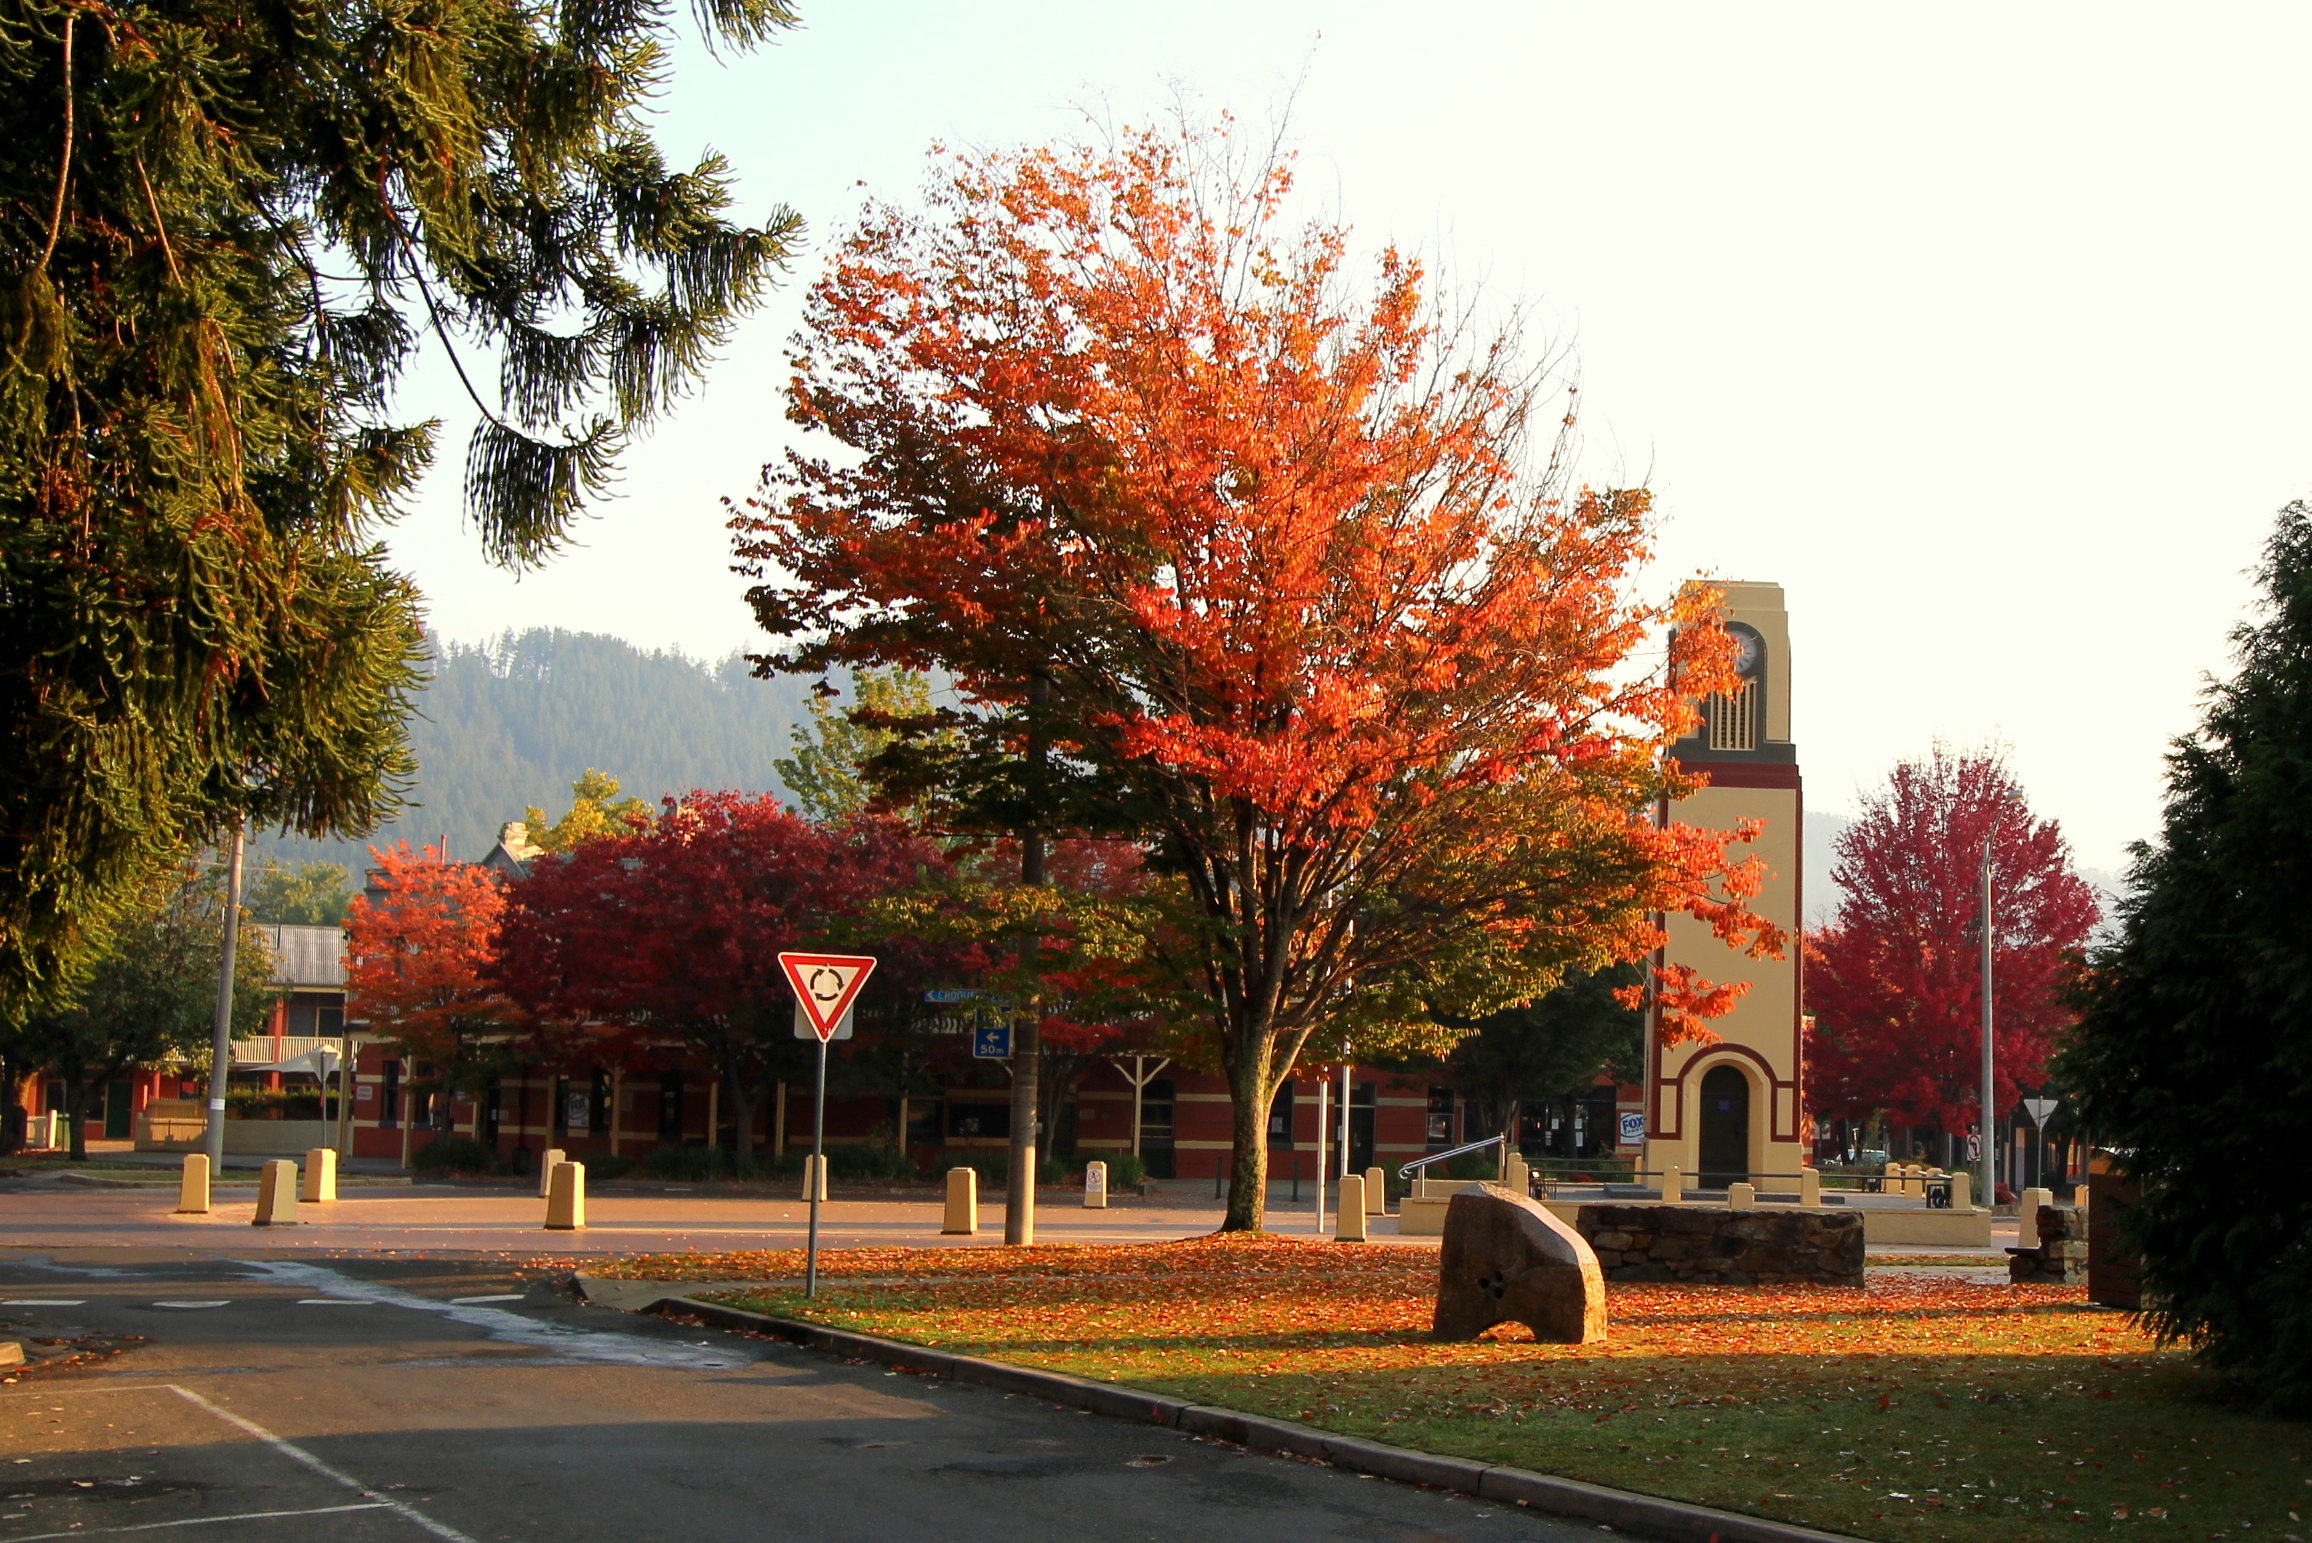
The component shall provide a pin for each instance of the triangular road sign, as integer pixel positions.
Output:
(826, 985)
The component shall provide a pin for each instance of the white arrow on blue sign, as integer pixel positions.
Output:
(991, 1042)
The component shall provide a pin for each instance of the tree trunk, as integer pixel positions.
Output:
(76, 1109)
(742, 1114)
(1250, 1094)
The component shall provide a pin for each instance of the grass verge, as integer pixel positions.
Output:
(1911, 1409)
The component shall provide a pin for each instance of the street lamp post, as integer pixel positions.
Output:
(1987, 1160)
(1985, 1147)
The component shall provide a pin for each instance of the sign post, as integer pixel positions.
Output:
(825, 985)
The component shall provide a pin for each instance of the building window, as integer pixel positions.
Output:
(670, 1106)
(1440, 1128)
(1734, 719)
(1156, 1106)
(979, 1122)
(389, 1111)
(598, 1109)
(1280, 1118)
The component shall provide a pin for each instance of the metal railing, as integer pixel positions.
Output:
(1501, 1141)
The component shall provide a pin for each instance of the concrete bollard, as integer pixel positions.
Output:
(1376, 1192)
(1673, 1186)
(1095, 1186)
(1809, 1187)
(814, 1176)
(320, 1175)
(2027, 1216)
(566, 1197)
(193, 1188)
(1741, 1197)
(1961, 1182)
(555, 1157)
(1517, 1176)
(1351, 1226)
(277, 1194)
(962, 1219)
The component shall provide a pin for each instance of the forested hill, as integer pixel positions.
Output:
(516, 721)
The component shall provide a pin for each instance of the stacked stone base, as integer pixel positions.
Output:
(1712, 1246)
(2061, 1257)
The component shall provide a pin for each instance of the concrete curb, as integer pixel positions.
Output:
(1673, 1521)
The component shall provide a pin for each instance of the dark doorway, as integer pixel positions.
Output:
(1361, 1112)
(1156, 1110)
(119, 1101)
(1725, 1143)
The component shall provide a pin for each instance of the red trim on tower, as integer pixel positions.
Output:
(1744, 774)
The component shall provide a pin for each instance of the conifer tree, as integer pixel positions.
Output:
(2191, 1059)
(226, 228)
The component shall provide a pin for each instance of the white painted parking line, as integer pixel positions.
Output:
(290, 1449)
(202, 1521)
(505, 1296)
(44, 1302)
(331, 1302)
(193, 1304)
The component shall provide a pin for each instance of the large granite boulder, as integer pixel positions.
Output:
(1508, 1260)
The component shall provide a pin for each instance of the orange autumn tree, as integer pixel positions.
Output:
(421, 965)
(1263, 567)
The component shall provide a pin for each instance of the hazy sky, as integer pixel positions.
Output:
(1981, 329)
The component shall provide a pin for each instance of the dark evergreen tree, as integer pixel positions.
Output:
(2191, 1059)
(1547, 1048)
(224, 228)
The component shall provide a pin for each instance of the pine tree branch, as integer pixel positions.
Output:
(64, 162)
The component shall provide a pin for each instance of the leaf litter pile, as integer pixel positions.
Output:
(1912, 1409)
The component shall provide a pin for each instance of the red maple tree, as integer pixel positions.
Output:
(1276, 560)
(421, 967)
(668, 936)
(1894, 982)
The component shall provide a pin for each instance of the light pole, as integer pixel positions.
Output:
(1987, 1158)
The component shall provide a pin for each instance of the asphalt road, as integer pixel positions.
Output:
(359, 1401)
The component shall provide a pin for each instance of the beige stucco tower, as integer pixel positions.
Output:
(1735, 1108)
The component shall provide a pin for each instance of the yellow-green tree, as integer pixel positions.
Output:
(595, 810)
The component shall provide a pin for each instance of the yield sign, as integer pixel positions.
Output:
(826, 985)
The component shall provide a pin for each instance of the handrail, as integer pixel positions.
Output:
(1501, 1141)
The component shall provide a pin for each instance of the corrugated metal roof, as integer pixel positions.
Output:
(307, 956)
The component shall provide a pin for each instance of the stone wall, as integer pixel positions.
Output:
(2061, 1257)
(1712, 1246)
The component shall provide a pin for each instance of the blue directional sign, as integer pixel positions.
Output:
(991, 1042)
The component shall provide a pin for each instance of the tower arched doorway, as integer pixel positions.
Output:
(1724, 1154)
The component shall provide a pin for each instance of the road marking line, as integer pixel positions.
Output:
(331, 1302)
(506, 1296)
(201, 1521)
(45, 1302)
(193, 1304)
(290, 1449)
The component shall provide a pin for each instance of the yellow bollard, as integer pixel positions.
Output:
(320, 1175)
(1809, 1187)
(193, 1188)
(555, 1157)
(1351, 1228)
(814, 1167)
(1517, 1176)
(1961, 1199)
(1741, 1197)
(2027, 1216)
(1095, 1186)
(1376, 1192)
(1673, 1186)
(962, 1204)
(566, 1197)
(276, 1195)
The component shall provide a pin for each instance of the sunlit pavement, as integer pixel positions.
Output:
(50, 1214)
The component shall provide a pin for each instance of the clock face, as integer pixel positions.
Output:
(1746, 651)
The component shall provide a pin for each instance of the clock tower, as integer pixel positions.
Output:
(1733, 1110)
